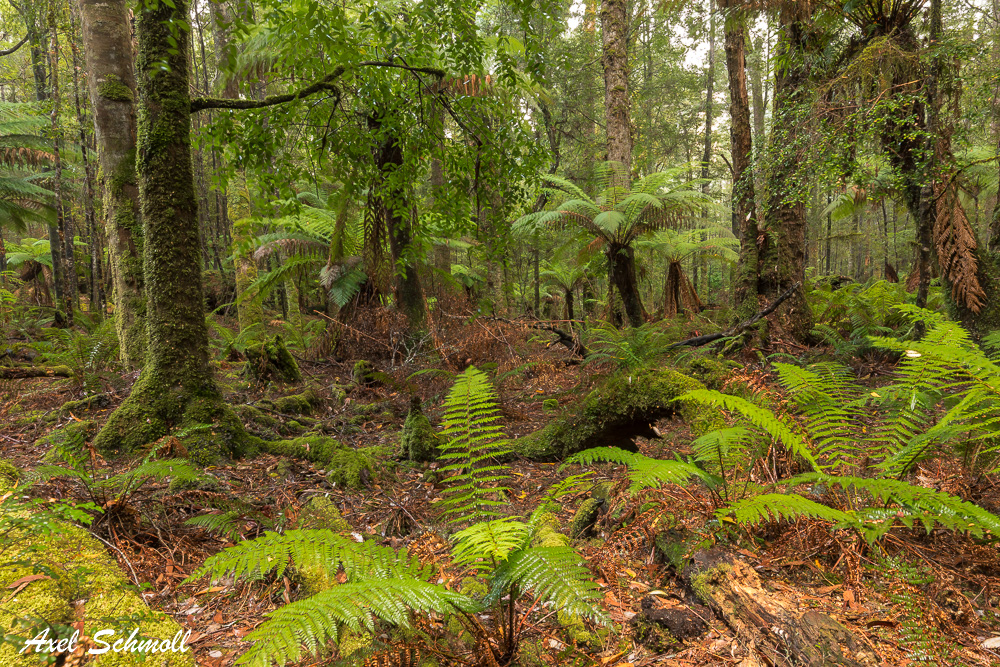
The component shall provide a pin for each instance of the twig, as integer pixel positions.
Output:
(135, 577)
(698, 341)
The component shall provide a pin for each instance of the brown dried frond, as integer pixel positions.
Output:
(23, 156)
(955, 244)
(399, 655)
(289, 247)
(470, 85)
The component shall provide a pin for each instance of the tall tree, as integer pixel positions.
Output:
(744, 208)
(782, 255)
(176, 388)
(107, 44)
(617, 104)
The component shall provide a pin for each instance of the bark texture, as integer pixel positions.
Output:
(744, 208)
(771, 628)
(617, 105)
(176, 390)
(782, 257)
(112, 89)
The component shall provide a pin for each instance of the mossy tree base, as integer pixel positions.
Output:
(208, 428)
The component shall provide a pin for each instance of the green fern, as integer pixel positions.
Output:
(475, 442)
(555, 574)
(310, 623)
(644, 472)
(486, 544)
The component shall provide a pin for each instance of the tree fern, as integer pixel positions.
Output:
(475, 443)
(771, 506)
(486, 544)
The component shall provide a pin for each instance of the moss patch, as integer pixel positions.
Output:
(622, 408)
(271, 362)
(419, 440)
(583, 521)
(352, 468)
(79, 569)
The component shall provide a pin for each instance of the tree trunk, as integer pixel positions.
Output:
(391, 203)
(111, 82)
(782, 261)
(621, 268)
(176, 390)
(63, 257)
(706, 159)
(614, 29)
(744, 205)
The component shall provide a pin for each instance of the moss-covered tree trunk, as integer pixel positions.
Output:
(111, 82)
(782, 259)
(391, 202)
(614, 59)
(176, 390)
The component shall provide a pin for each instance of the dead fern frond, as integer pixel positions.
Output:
(955, 244)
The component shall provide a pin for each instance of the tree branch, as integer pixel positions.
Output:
(7, 52)
(326, 83)
(698, 341)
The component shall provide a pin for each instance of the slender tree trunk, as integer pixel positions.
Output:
(614, 29)
(63, 256)
(176, 389)
(107, 45)
(744, 206)
(706, 159)
(994, 245)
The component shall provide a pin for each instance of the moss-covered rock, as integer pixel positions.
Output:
(89, 403)
(419, 441)
(583, 521)
(77, 568)
(352, 468)
(364, 373)
(550, 405)
(621, 409)
(294, 404)
(271, 362)
(321, 512)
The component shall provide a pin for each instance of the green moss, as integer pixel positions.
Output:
(624, 403)
(547, 536)
(9, 475)
(713, 373)
(321, 512)
(585, 517)
(347, 467)
(112, 88)
(363, 372)
(89, 403)
(474, 588)
(550, 405)
(419, 440)
(271, 362)
(80, 569)
(338, 394)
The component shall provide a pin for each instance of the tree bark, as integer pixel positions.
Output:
(614, 33)
(176, 390)
(63, 256)
(744, 206)
(621, 267)
(391, 202)
(107, 44)
(770, 627)
(782, 259)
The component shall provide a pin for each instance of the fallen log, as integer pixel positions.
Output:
(766, 625)
(698, 341)
(19, 372)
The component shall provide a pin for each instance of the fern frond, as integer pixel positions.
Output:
(781, 430)
(555, 574)
(485, 544)
(775, 506)
(309, 624)
(644, 472)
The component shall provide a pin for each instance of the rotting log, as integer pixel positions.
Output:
(18, 372)
(767, 625)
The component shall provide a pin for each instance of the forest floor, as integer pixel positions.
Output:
(947, 618)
